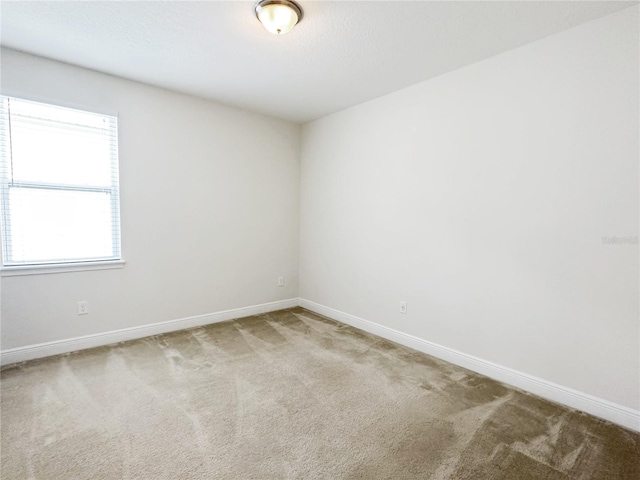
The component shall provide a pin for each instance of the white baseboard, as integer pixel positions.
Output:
(627, 417)
(40, 350)
(624, 416)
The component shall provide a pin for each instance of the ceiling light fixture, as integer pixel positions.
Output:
(278, 16)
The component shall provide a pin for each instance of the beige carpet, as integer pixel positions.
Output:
(286, 395)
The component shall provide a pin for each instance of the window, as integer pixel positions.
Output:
(59, 193)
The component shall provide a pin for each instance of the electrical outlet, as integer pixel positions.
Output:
(83, 307)
(281, 281)
(403, 307)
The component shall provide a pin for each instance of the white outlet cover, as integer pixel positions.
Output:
(83, 308)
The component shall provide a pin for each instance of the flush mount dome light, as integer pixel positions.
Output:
(278, 16)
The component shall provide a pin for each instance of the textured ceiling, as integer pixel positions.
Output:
(341, 54)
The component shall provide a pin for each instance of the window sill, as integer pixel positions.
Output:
(59, 268)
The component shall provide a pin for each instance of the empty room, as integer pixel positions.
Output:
(320, 240)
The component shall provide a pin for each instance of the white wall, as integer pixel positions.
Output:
(209, 202)
(481, 198)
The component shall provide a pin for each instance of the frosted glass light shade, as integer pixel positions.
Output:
(278, 16)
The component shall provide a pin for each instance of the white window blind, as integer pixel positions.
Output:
(59, 197)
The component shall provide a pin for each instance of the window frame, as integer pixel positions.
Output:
(11, 268)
